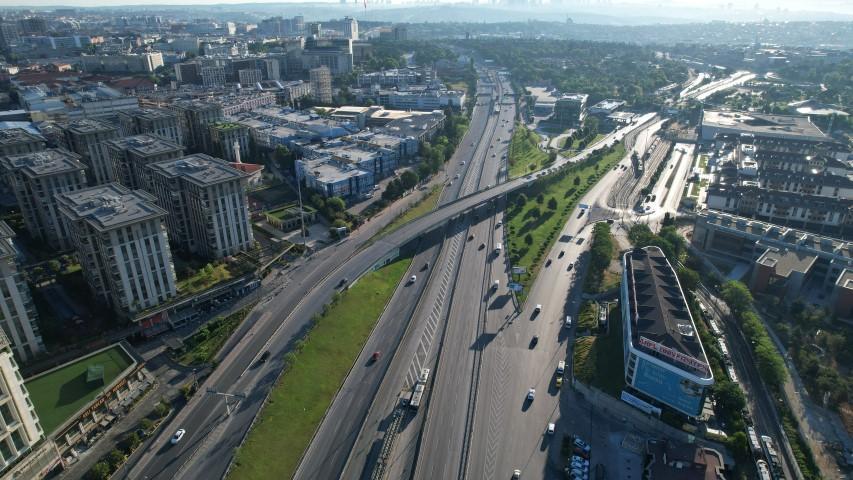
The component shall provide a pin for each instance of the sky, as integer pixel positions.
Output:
(829, 6)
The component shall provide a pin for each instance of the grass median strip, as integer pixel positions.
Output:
(524, 153)
(422, 207)
(598, 359)
(537, 213)
(315, 371)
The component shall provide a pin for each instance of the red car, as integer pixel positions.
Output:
(375, 356)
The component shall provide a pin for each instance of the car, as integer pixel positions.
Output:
(531, 394)
(375, 356)
(570, 266)
(496, 285)
(534, 341)
(578, 442)
(551, 428)
(470, 237)
(482, 246)
(561, 367)
(462, 162)
(425, 267)
(538, 308)
(498, 225)
(342, 282)
(179, 434)
(559, 382)
(451, 183)
(516, 474)
(548, 263)
(264, 356)
(494, 155)
(413, 278)
(568, 323)
(456, 176)
(562, 252)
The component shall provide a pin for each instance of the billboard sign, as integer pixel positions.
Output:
(674, 355)
(668, 387)
(515, 287)
(519, 270)
(583, 206)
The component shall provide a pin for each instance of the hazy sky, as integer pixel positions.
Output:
(837, 6)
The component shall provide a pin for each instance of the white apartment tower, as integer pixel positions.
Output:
(36, 178)
(321, 84)
(129, 155)
(156, 121)
(17, 312)
(20, 429)
(86, 138)
(206, 200)
(122, 245)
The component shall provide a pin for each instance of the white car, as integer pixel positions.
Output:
(551, 428)
(538, 308)
(413, 278)
(178, 436)
(516, 473)
(531, 394)
(568, 323)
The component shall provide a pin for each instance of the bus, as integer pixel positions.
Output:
(773, 459)
(754, 445)
(418, 389)
(763, 470)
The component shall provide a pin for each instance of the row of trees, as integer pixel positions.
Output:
(601, 252)
(397, 187)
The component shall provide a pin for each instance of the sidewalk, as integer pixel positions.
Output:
(168, 382)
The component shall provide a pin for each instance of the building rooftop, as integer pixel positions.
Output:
(88, 125)
(791, 126)
(661, 324)
(346, 152)
(573, 97)
(109, 206)
(47, 162)
(784, 261)
(845, 279)
(198, 168)
(144, 145)
(224, 126)
(14, 136)
(7, 248)
(682, 461)
(326, 170)
(414, 125)
(148, 113)
(609, 104)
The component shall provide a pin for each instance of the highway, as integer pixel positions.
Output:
(334, 440)
(212, 434)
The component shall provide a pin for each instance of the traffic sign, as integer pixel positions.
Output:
(519, 270)
(583, 206)
(515, 287)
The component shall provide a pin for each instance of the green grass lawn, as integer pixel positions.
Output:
(424, 206)
(694, 189)
(597, 360)
(588, 317)
(531, 235)
(203, 280)
(300, 399)
(524, 153)
(205, 344)
(575, 143)
(60, 394)
(703, 163)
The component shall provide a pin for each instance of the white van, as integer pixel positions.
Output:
(498, 248)
(568, 323)
(561, 367)
(496, 285)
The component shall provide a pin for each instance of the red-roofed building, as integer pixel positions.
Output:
(254, 171)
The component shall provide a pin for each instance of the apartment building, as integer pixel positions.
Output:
(336, 54)
(207, 204)
(156, 121)
(17, 313)
(15, 141)
(230, 141)
(194, 117)
(19, 423)
(570, 109)
(122, 245)
(130, 63)
(36, 178)
(321, 84)
(332, 178)
(86, 138)
(130, 155)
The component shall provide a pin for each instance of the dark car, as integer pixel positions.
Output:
(375, 356)
(548, 263)
(342, 282)
(264, 356)
(534, 341)
(562, 252)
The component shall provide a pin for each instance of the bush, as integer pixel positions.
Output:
(115, 459)
(146, 424)
(131, 442)
(99, 471)
(162, 409)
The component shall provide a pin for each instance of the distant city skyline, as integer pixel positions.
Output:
(828, 6)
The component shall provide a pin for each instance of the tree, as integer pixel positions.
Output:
(577, 181)
(737, 296)
(162, 409)
(54, 266)
(340, 223)
(521, 200)
(115, 458)
(689, 278)
(146, 424)
(99, 471)
(540, 198)
(770, 364)
(131, 442)
(336, 205)
(285, 158)
(552, 203)
(534, 212)
(738, 444)
(729, 398)
(409, 179)
(528, 239)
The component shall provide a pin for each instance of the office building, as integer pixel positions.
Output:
(86, 138)
(420, 126)
(788, 127)
(331, 178)
(18, 419)
(17, 312)
(154, 121)
(321, 84)
(570, 109)
(286, 93)
(207, 204)
(194, 116)
(334, 53)
(130, 155)
(230, 141)
(665, 361)
(426, 99)
(394, 78)
(214, 76)
(379, 161)
(122, 245)
(36, 178)
(130, 63)
(249, 76)
(606, 107)
(32, 26)
(15, 141)
(188, 73)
